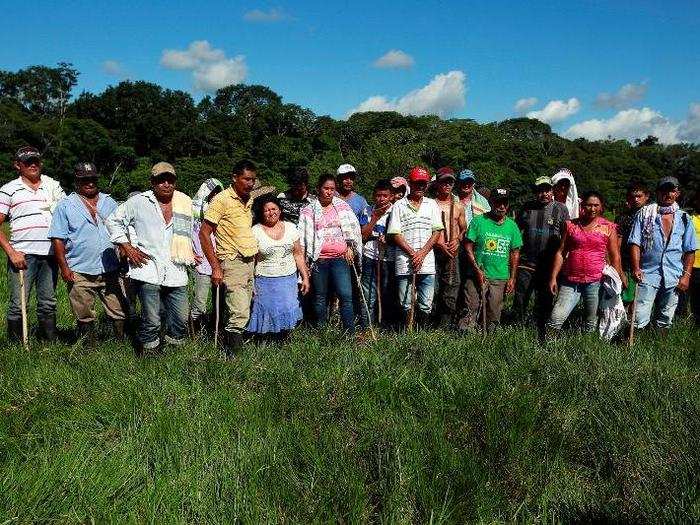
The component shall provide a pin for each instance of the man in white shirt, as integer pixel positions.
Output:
(414, 227)
(28, 202)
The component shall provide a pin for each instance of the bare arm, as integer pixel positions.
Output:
(614, 256)
(205, 233)
(471, 259)
(16, 257)
(514, 261)
(635, 257)
(298, 253)
(558, 263)
(688, 261)
(59, 250)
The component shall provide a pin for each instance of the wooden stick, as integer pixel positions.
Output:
(483, 307)
(634, 315)
(379, 282)
(364, 302)
(23, 306)
(412, 311)
(450, 238)
(216, 318)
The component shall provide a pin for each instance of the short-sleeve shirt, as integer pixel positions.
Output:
(493, 244)
(234, 221)
(586, 250)
(29, 212)
(276, 256)
(542, 228)
(89, 249)
(696, 223)
(291, 207)
(370, 248)
(416, 225)
(357, 203)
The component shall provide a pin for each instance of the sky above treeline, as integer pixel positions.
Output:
(591, 69)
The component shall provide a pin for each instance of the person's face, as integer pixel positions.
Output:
(592, 207)
(347, 184)
(244, 183)
(399, 193)
(299, 190)
(465, 188)
(87, 187)
(382, 198)
(499, 208)
(271, 213)
(163, 185)
(417, 189)
(326, 192)
(30, 168)
(444, 187)
(636, 199)
(667, 195)
(561, 190)
(545, 194)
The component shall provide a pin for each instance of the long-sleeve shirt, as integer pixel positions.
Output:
(142, 215)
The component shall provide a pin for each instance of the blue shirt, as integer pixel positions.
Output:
(88, 248)
(358, 204)
(664, 263)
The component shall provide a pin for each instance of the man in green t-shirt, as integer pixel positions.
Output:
(492, 245)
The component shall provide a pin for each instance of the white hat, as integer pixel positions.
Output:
(346, 168)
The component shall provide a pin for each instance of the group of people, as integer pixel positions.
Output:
(429, 251)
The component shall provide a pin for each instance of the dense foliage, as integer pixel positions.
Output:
(127, 127)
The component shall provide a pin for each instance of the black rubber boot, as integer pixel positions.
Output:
(86, 332)
(47, 328)
(232, 343)
(119, 328)
(14, 329)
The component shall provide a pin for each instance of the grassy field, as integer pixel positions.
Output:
(416, 428)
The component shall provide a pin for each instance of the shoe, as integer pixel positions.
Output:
(14, 330)
(47, 328)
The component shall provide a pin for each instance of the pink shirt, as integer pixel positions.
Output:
(333, 243)
(586, 251)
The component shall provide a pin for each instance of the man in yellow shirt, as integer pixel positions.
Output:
(229, 217)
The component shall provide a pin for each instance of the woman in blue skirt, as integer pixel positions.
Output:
(280, 272)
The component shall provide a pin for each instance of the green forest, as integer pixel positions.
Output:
(128, 127)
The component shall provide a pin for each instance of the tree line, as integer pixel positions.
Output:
(127, 127)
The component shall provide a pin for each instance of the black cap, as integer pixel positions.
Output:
(499, 194)
(668, 181)
(85, 170)
(27, 152)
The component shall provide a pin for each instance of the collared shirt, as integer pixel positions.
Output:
(291, 207)
(234, 221)
(416, 225)
(29, 212)
(541, 227)
(88, 246)
(371, 249)
(142, 215)
(663, 264)
(696, 223)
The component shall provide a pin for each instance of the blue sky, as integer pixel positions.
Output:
(468, 59)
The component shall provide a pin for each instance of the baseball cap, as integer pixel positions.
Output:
(543, 181)
(162, 167)
(419, 174)
(499, 194)
(27, 152)
(466, 175)
(345, 169)
(445, 174)
(668, 181)
(85, 170)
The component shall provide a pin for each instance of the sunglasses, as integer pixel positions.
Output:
(30, 162)
(87, 180)
(164, 178)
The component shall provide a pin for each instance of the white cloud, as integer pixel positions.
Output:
(112, 68)
(444, 95)
(271, 15)
(624, 98)
(689, 130)
(523, 104)
(556, 110)
(211, 69)
(393, 59)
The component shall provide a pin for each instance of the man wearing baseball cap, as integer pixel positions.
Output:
(414, 227)
(345, 181)
(541, 223)
(474, 203)
(86, 255)
(161, 220)
(492, 244)
(662, 247)
(28, 202)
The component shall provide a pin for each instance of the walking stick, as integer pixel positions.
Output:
(364, 302)
(379, 282)
(412, 311)
(216, 318)
(23, 307)
(483, 307)
(450, 279)
(634, 314)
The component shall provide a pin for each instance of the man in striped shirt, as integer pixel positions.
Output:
(28, 203)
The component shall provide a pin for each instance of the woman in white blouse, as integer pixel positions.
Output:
(280, 272)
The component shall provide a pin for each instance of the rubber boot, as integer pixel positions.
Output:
(232, 343)
(14, 330)
(47, 328)
(119, 328)
(86, 332)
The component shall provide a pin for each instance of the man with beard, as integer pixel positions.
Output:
(85, 254)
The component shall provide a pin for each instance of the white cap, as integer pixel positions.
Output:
(346, 168)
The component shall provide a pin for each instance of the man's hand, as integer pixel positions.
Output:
(417, 260)
(443, 248)
(217, 275)
(350, 256)
(304, 286)
(510, 286)
(17, 259)
(378, 212)
(553, 286)
(135, 256)
(197, 260)
(67, 275)
(637, 275)
(625, 282)
(683, 283)
(452, 248)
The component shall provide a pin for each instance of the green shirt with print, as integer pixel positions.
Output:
(493, 243)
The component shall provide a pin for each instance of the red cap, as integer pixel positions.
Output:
(445, 170)
(419, 174)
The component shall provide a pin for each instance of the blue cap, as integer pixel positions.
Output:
(466, 175)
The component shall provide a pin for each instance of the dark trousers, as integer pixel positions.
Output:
(527, 283)
(447, 285)
(493, 295)
(333, 274)
(387, 291)
(694, 294)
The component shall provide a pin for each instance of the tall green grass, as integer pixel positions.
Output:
(426, 427)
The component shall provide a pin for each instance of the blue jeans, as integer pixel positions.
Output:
(174, 301)
(567, 299)
(369, 288)
(41, 274)
(336, 273)
(425, 291)
(666, 300)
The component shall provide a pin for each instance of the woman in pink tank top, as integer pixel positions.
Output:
(586, 244)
